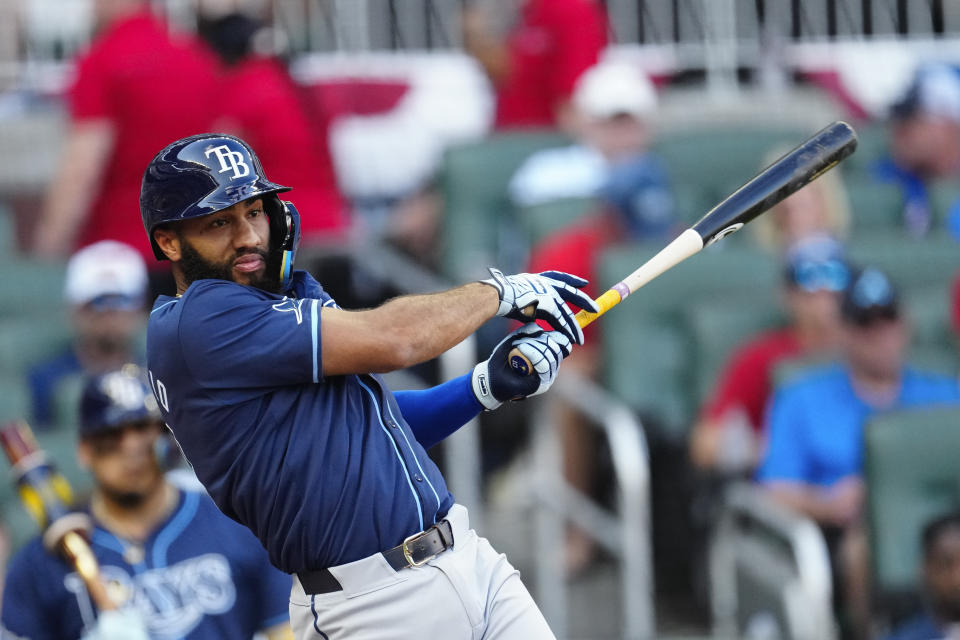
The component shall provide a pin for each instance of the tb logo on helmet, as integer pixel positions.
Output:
(230, 160)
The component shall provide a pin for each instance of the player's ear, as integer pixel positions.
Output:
(169, 242)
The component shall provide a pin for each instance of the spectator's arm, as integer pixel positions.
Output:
(481, 43)
(838, 505)
(71, 192)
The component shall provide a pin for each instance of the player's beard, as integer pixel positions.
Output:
(195, 267)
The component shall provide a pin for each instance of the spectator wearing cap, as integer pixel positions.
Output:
(105, 289)
(728, 436)
(924, 144)
(612, 104)
(634, 204)
(813, 462)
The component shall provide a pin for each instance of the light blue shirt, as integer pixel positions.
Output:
(815, 425)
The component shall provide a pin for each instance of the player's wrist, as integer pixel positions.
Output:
(480, 384)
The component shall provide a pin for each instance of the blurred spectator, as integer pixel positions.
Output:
(924, 144)
(814, 450)
(105, 292)
(176, 565)
(820, 208)
(728, 436)
(635, 204)
(259, 101)
(611, 106)
(941, 584)
(139, 86)
(533, 69)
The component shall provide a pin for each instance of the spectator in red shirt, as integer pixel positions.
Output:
(139, 86)
(728, 435)
(259, 101)
(534, 69)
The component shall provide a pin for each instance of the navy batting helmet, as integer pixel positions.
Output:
(206, 173)
(114, 399)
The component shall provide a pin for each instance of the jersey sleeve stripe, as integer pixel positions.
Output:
(313, 335)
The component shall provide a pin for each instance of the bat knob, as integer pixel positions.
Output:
(519, 362)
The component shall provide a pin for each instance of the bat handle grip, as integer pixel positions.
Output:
(83, 560)
(522, 365)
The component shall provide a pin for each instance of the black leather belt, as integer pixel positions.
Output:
(412, 552)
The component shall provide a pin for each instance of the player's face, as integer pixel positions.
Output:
(232, 244)
(123, 461)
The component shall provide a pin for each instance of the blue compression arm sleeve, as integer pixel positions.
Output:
(435, 413)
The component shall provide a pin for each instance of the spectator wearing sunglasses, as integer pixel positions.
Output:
(813, 462)
(728, 435)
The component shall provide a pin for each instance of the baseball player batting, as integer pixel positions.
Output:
(274, 395)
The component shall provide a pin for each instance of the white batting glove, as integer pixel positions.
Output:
(118, 624)
(494, 381)
(548, 294)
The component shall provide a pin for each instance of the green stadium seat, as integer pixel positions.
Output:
(30, 287)
(541, 220)
(14, 398)
(944, 197)
(722, 159)
(474, 180)
(648, 350)
(874, 204)
(912, 476)
(27, 340)
(910, 262)
(8, 231)
(719, 327)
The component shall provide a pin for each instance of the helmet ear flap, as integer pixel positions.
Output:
(284, 234)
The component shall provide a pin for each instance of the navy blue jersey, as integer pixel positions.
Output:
(324, 470)
(198, 576)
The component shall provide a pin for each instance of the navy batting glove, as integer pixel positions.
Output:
(548, 293)
(494, 381)
(303, 285)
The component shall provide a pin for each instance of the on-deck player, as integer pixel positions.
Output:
(272, 392)
(177, 567)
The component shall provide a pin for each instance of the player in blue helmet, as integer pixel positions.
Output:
(173, 563)
(273, 394)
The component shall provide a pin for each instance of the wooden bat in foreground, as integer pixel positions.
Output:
(821, 152)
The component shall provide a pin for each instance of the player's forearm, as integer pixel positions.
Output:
(404, 331)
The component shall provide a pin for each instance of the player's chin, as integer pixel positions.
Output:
(249, 278)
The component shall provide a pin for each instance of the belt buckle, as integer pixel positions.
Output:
(408, 554)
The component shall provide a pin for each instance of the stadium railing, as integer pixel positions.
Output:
(769, 572)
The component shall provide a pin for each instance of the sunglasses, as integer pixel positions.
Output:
(829, 275)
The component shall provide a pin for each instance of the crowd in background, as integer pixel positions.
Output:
(786, 410)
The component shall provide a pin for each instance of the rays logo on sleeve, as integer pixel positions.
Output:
(172, 600)
(291, 305)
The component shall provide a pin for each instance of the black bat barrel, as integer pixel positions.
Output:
(787, 175)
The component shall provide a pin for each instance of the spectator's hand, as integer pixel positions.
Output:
(494, 381)
(547, 295)
(844, 501)
(118, 624)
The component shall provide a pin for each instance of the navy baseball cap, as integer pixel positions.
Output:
(871, 296)
(116, 399)
(818, 263)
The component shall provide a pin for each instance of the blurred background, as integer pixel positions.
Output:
(676, 482)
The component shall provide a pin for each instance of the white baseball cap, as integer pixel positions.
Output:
(611, 88)
(107, 271)
(935, 91)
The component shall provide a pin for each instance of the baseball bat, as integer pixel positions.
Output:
(47, 495)
(797, 168)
